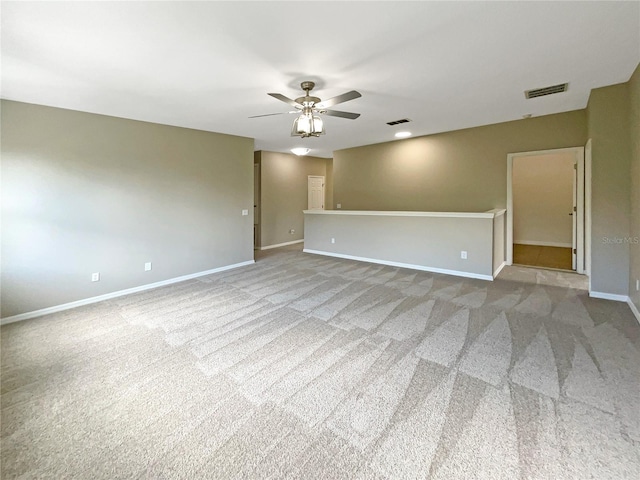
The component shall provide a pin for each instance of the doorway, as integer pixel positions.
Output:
(315, 191)
(546, 209)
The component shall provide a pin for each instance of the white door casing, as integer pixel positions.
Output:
(579, 216)
(256, 205)
(574, 219)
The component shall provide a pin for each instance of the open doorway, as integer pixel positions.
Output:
(545, 209)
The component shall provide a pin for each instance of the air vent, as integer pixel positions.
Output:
(398, 122)
(541, 92)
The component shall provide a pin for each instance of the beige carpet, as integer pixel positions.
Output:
(305, 367)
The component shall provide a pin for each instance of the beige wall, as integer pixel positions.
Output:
(608, 123)
(283, 195)
(328, 194)
(634, 247)
(464, 170)
(85, 193)
(543, 199)
(429, 243)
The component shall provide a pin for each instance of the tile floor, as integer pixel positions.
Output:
(542, 256)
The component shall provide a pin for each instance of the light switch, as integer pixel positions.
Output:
(245, 212)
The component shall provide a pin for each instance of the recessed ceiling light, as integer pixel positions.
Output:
(403, 134)
(300, 151)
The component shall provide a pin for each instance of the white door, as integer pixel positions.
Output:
(316, 192)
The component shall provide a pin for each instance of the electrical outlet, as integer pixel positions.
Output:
(463, 255)
(245, 212)
(333, 240)
(292, 231)
(147, 267)
(95, 277)
(339, 205)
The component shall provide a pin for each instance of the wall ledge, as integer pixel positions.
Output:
(119, 293)
(392, 213)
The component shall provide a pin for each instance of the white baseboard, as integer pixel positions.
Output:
(634, 309)
(542, 244)
(609, 296)
(499, 269)
(269, 247)
(402, 265)
(119, 293)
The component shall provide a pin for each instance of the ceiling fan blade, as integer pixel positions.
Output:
(270, 114)
(338, 113)
(284, 99)
(345, 97)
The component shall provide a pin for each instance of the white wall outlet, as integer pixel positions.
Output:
(463, 254)
(95, 277)
(147, 267)
(333, 240)
(292, 231)
(245, 212)
(338, 205)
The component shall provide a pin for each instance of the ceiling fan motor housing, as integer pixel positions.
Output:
(307, 86)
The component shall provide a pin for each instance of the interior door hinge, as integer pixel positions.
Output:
(575, 209)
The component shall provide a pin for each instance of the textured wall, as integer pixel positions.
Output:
(433, 243)
(463, 170)
(85, 193)
(608, 123)
(543, 199)
(283, 192)
(634, 247)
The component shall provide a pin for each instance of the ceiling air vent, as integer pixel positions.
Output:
(398, 122)
(541, 92)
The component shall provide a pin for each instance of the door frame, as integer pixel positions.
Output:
(581, 213)
(309, 177)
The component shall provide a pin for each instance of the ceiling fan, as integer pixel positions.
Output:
(309, 123)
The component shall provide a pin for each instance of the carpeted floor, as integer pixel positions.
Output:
(309, 367)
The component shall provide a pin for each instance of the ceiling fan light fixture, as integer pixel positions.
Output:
(300, 151)
(307, 125)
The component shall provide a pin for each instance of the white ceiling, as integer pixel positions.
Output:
(209, 65)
